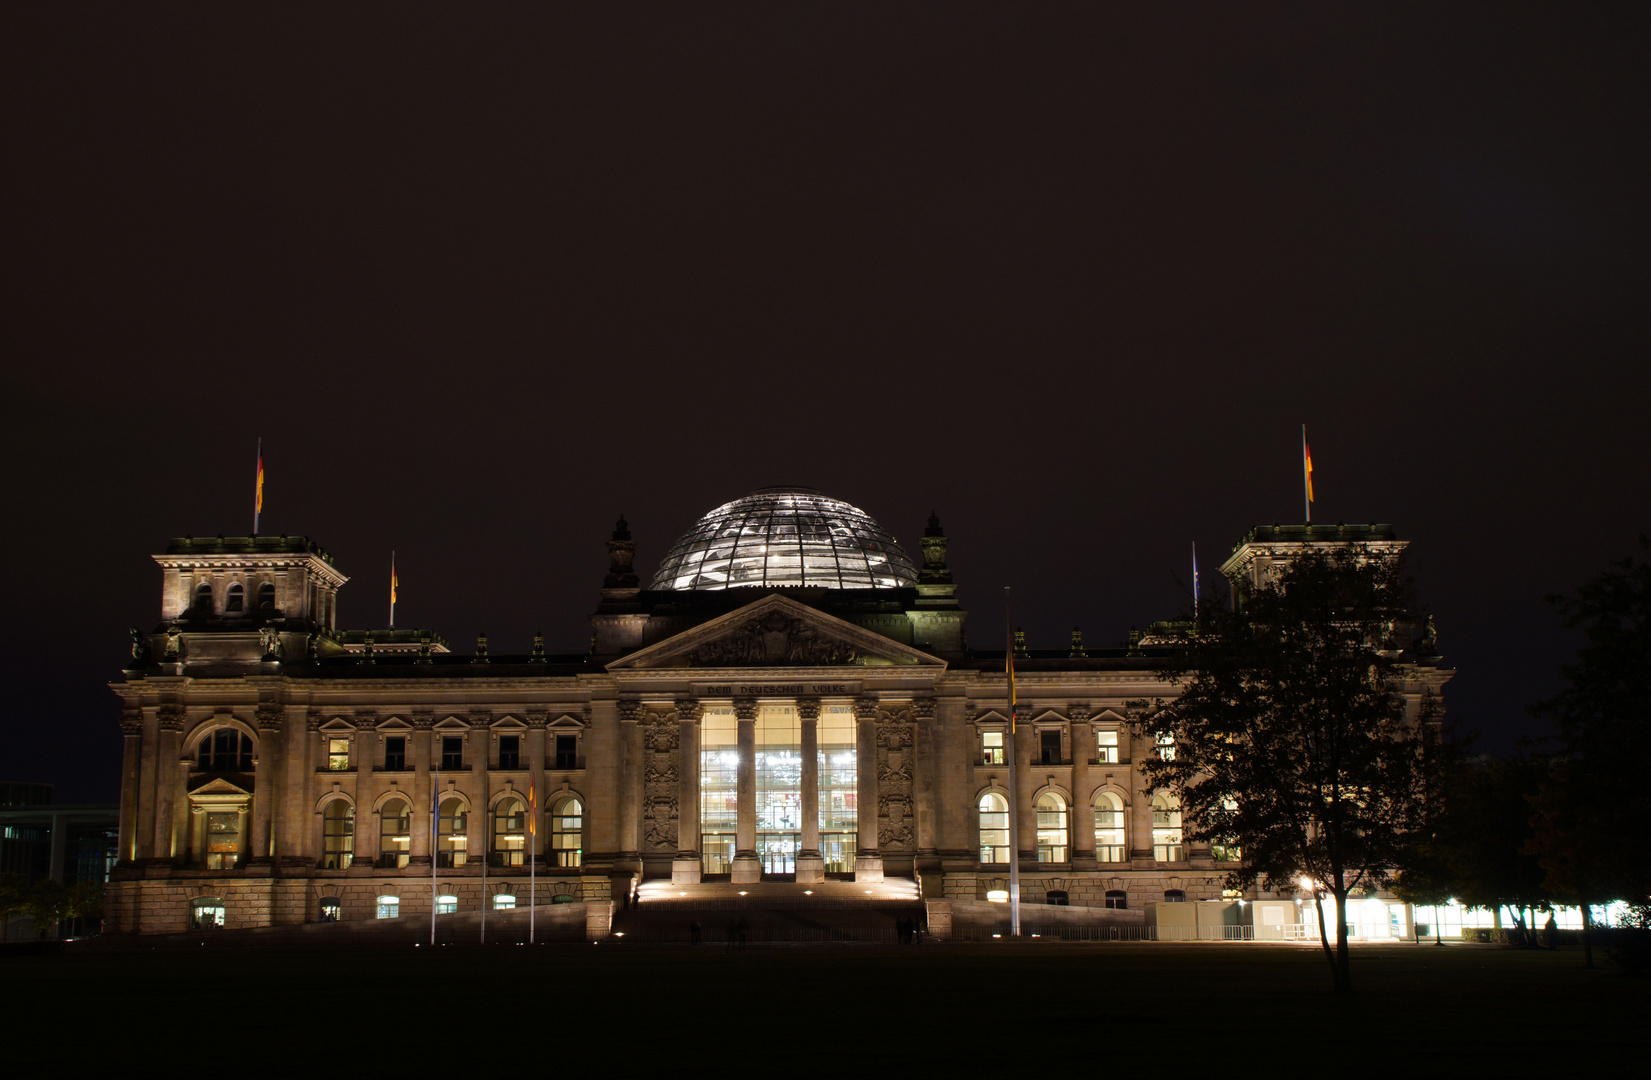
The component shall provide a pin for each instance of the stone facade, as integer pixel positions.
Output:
(283, 768)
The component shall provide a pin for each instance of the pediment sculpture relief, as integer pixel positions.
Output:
(775, 638)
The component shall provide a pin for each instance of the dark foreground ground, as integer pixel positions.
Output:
(853, 1010)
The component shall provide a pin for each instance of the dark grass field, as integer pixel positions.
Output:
(1048, 1009)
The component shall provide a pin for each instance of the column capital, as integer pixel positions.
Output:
(630, 710)
(865, 708)
(269, 717)
(745, 708)
(1078, 712)
(923, 708)
(689, 709)
(169, 717)
(131, 722)
(808, 708)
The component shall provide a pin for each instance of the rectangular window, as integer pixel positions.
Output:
(838, 772)
(1166, 747)
(779, 775)
(223, 840)
(567, 751)
(452, 752)
(510, 751)
(338, 754)
(395, 753)
(991, 748)
(1049, 747)
(389, 907)
(718, 789)
(1106, 748)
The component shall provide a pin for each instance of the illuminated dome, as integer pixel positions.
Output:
(786, 536)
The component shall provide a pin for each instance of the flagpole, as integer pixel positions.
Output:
(486, 858)
(258, 488)
(532, 865)
(1195, 578)
(1014, 767)
(435, 840)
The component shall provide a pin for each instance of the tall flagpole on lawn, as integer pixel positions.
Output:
(435, 840)
(532, 864)
(1014, 767)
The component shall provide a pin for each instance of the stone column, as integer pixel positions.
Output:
(166, 783)
(422, 739)
(630, 781)
(747, 867)
(685, 868)
(810, 864)
(481, 756)
(131, 780)
(197, 836)
(868, 862)
(143, 837)
(1080, 816)
(265, 769)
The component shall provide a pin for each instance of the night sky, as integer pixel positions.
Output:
(482, 277)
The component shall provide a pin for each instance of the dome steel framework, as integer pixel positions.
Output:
(786, 537)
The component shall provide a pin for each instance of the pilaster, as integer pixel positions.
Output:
(685, 868)
(868, 861)
(810, 864)
(747, 867)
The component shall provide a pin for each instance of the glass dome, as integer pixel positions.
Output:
(786, 536)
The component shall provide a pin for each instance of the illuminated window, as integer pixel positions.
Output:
(206, 913)
(567, 824)
(994, 828)
(1166, 747)
(452, 752)
(779, 775)
(447, 905)
(1106, 747)
(510, 833)
(1117, 898)
(203, 598)
(1052, 842)
(234, 600)
(389, 907)
(504, 902)
(395, 834)
(331, 910)
(1166, 828)
(991, 748)
(1227, 852)
(510, 751)
(337, 835)
(719, 763)
(837, 769)
(225, 750)
(266, 599)
(223, 839)
(338, 754)
(1109, 827)
(452, 845)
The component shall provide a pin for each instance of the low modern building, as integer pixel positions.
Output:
(791, 699)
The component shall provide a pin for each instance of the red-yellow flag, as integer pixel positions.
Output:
(1009, 663)
(259, 508)
(532, 810)
(1307, 463)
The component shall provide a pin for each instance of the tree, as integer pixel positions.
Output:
(48, 902)
(14, 900)
(1593, 812)
(1472, 845)
(1291, 738)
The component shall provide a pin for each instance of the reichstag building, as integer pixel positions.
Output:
(790, 700)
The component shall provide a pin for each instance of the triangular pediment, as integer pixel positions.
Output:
(776, 632)
(219, 786)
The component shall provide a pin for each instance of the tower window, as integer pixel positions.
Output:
(203, 597)
(235, 599)
(266, 599)
(225, 750)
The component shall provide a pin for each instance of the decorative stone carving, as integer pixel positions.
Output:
(689, 709)
(774, 638)
(481, 721)
(1078, 711)
(424, 721)
(269, 716)
(169, 717)
(131, 722)
(661, 770)
(745, 708)
(536, 719)
(808, 708)
(630, 711)
(270, 642)
(140, 648)
(896, 763)
(174, 643)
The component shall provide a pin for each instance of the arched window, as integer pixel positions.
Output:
(206, 913)
(1052, 842)
(1117, 898)
(389, 907)
(452, 845)
(567, 824)
(235, 599)
(337, 835)
(1057, 898)
(225, 750)
(203, 597)
(331, 910)
(266, 599)
(504, 902)
(1166, 828)
(395, 835)
(447, 904)
(1174, 896)
(1109, 827)
(994, 828)
(509, 834)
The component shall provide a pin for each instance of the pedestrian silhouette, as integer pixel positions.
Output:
(693, 932)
